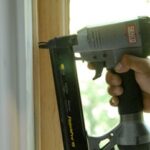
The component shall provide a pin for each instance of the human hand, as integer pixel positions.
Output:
(141, 67)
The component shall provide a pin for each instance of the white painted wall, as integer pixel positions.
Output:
(16, 102)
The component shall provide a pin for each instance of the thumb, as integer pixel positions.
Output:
(140, 65)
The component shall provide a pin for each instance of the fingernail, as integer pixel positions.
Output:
(119, 67)
(114, 101)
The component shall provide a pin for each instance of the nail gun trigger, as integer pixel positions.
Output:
(98, 69)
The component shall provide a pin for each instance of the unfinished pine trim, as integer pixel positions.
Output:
(50, 19)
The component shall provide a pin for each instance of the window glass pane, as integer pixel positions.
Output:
(99, 115)
(93, 12)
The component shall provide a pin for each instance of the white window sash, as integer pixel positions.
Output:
(16, 94)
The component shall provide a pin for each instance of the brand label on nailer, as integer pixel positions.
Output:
(131, 34)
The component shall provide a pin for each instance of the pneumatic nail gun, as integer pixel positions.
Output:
(103, 46)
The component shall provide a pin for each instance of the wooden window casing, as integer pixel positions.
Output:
(50, 19)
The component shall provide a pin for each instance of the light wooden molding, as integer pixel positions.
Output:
(50, 19)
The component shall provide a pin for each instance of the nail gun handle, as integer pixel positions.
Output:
(131, 100)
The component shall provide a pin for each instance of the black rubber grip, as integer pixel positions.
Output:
(131, 101)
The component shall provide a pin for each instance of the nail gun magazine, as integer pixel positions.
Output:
(103, 46)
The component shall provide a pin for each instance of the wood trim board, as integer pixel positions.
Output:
(50, 19)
